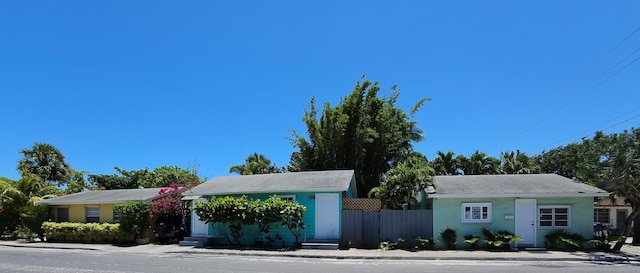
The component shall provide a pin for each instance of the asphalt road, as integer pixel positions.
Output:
(71, 261)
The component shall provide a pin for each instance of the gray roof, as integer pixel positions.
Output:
(103, 197)
(516, 185)
(311, 181)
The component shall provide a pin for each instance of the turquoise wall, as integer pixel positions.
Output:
(581, 216)
(251, 234)
(447, 213)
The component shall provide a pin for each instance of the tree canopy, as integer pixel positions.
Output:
(364, 132)
(159, 177)
(255, 164)
(609, 161)
(45, 161)
(404, 182)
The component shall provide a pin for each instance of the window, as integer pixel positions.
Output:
(92, 214)
(476, 212)
(62, 214)
(116, 215)
(288, 198)
(601, 216)
(554, 216)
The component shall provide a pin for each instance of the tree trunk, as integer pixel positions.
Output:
(636, 231)
(635, 212)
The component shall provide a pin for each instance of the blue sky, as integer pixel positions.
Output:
(140, 84)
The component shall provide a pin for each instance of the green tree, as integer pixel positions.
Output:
(255, 164)
(517, 163)
(621, 163)
(159, 177)
(121, 180)
(45, 161)
(402, 183)
(481, 163)
(77, 183)
(364, 132)
(19, 201)
(165, 176)
(445, 164)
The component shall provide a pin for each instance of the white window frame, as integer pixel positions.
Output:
(86, 214)
(485, 210)
(289, 198)
(117, 214)
(553, 214)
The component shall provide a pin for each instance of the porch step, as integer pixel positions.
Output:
(196, 242)
(330, 246)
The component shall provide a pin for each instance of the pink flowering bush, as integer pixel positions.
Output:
(170, 204)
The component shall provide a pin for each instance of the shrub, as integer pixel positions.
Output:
(449, 237)
(89, 232)
(561, 239)
(425, 244)
(134, 217)
(472, 240)
(237, 212)
(500, 238)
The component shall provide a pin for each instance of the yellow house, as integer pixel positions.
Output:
(95, 206)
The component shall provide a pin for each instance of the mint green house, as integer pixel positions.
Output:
(321, 192)
(528, 205)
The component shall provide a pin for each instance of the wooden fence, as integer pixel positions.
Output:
(366, 229)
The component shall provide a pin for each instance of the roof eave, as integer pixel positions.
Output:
(203, 193)
(516, 195)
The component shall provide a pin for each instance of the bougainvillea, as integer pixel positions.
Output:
(170, 204)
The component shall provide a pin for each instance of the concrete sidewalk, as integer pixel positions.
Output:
(629, 253)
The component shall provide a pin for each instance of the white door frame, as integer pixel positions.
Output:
(327, 218)
(198, 227)
(525, 221)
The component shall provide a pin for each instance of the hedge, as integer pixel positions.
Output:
(87, 233)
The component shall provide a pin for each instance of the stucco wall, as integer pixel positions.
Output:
(77, 212)
(448, 213)
(251, 234)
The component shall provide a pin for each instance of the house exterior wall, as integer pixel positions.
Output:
(447, 212)
(77, 212)
(251, 234)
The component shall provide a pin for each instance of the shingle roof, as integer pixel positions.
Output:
(103, 197)
(311, 181)
(518, 185)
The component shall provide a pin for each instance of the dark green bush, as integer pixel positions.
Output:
(500, 238)
(449, 236)
(472, 240)
(135, 217)
(425, 244)
(561, 239)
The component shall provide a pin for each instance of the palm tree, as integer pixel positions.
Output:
(445, 164)
(517, 163)
(19, 200)
(255, 164)
(480, 163)
(45, 161)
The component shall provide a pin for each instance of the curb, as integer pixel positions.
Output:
(621, 257)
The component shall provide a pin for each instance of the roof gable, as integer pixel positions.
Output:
(103, 197)
(311, 181)
(517, 185)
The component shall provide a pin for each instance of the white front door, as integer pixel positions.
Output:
(199, 228)
(327, 217)
(526, 221)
